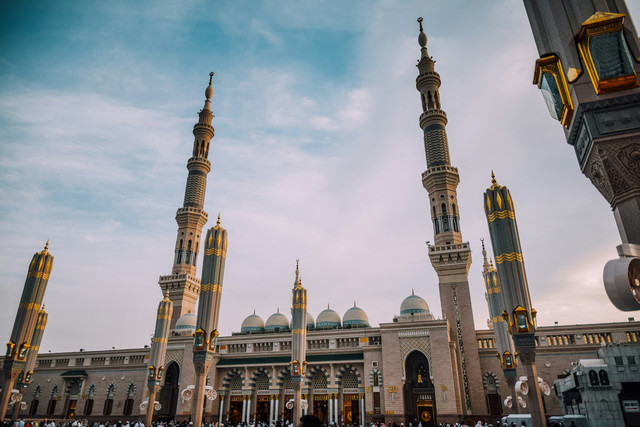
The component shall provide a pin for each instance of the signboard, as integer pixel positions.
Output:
(630, 406)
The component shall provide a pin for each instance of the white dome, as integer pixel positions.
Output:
(310, 321)
(253, 323)
(277, 321)
(355, 316)
(328, 319)
(413, 304)
(186, 324)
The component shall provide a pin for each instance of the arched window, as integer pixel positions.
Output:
(453, 209)
(188, 260)
(444, 209)
(593, 378)
(424, 105)
(376, 380)
(179, 258)
(604, 378)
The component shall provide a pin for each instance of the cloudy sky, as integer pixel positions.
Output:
(317, 156)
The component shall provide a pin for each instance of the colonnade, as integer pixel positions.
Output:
(278, 412)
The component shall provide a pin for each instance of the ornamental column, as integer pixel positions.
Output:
(19, 344)
(206, 335)
(298, 343)
(24, 379)
(518, 313)
(506, 353)
(155, 370)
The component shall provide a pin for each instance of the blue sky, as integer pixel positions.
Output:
(317, 156)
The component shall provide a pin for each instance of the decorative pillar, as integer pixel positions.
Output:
(205, 338)
(248, 420)
(361, 409)
(518, 313)
(25, 380)
(244, 408)
(221, 409)
(25, 324)
(298, 362)
(155, 369)
(330, 408)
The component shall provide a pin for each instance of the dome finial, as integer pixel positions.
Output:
(493, 178)
(412, 292)
(218, 223)
(208, 92)
(422, 37)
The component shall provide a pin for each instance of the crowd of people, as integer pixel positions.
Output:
(305, 421)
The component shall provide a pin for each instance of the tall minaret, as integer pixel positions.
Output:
(298, 342)
(518, 314)
(19, 345)
(182, 284)
(449, 255)
(504, 344)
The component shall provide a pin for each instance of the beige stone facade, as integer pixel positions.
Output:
(251, 373)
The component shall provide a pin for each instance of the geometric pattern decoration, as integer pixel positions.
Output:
(321, 379)
(352, 377)
(407, 345)
(260, 379)
(233, 376)
(174, 356)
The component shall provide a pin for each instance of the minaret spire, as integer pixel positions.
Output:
(182, 284)
(449, 255)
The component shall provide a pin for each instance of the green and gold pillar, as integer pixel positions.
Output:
(25, 324)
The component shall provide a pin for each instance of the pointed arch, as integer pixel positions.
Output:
(311, 372)
(345, 370)
(235, 372)
(258, 376)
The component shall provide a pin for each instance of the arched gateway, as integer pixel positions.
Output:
(419, 393)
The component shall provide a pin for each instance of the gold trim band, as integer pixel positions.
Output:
(211, 287)
(501, 215)
(217, 252)
(513, 256)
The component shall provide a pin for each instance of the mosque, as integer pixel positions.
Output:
(413, 368)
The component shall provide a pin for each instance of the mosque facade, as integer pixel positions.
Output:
(413, 369)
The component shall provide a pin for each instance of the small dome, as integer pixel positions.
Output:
(413, 304)
(328, 319)
(277, 322)
(355, 316)
(253, 323)
(186, 324)
(310, 322)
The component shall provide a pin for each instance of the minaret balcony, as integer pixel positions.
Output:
(444, 175)
(430, 78)
(203, 129)
(432, 116)
(199, 163)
